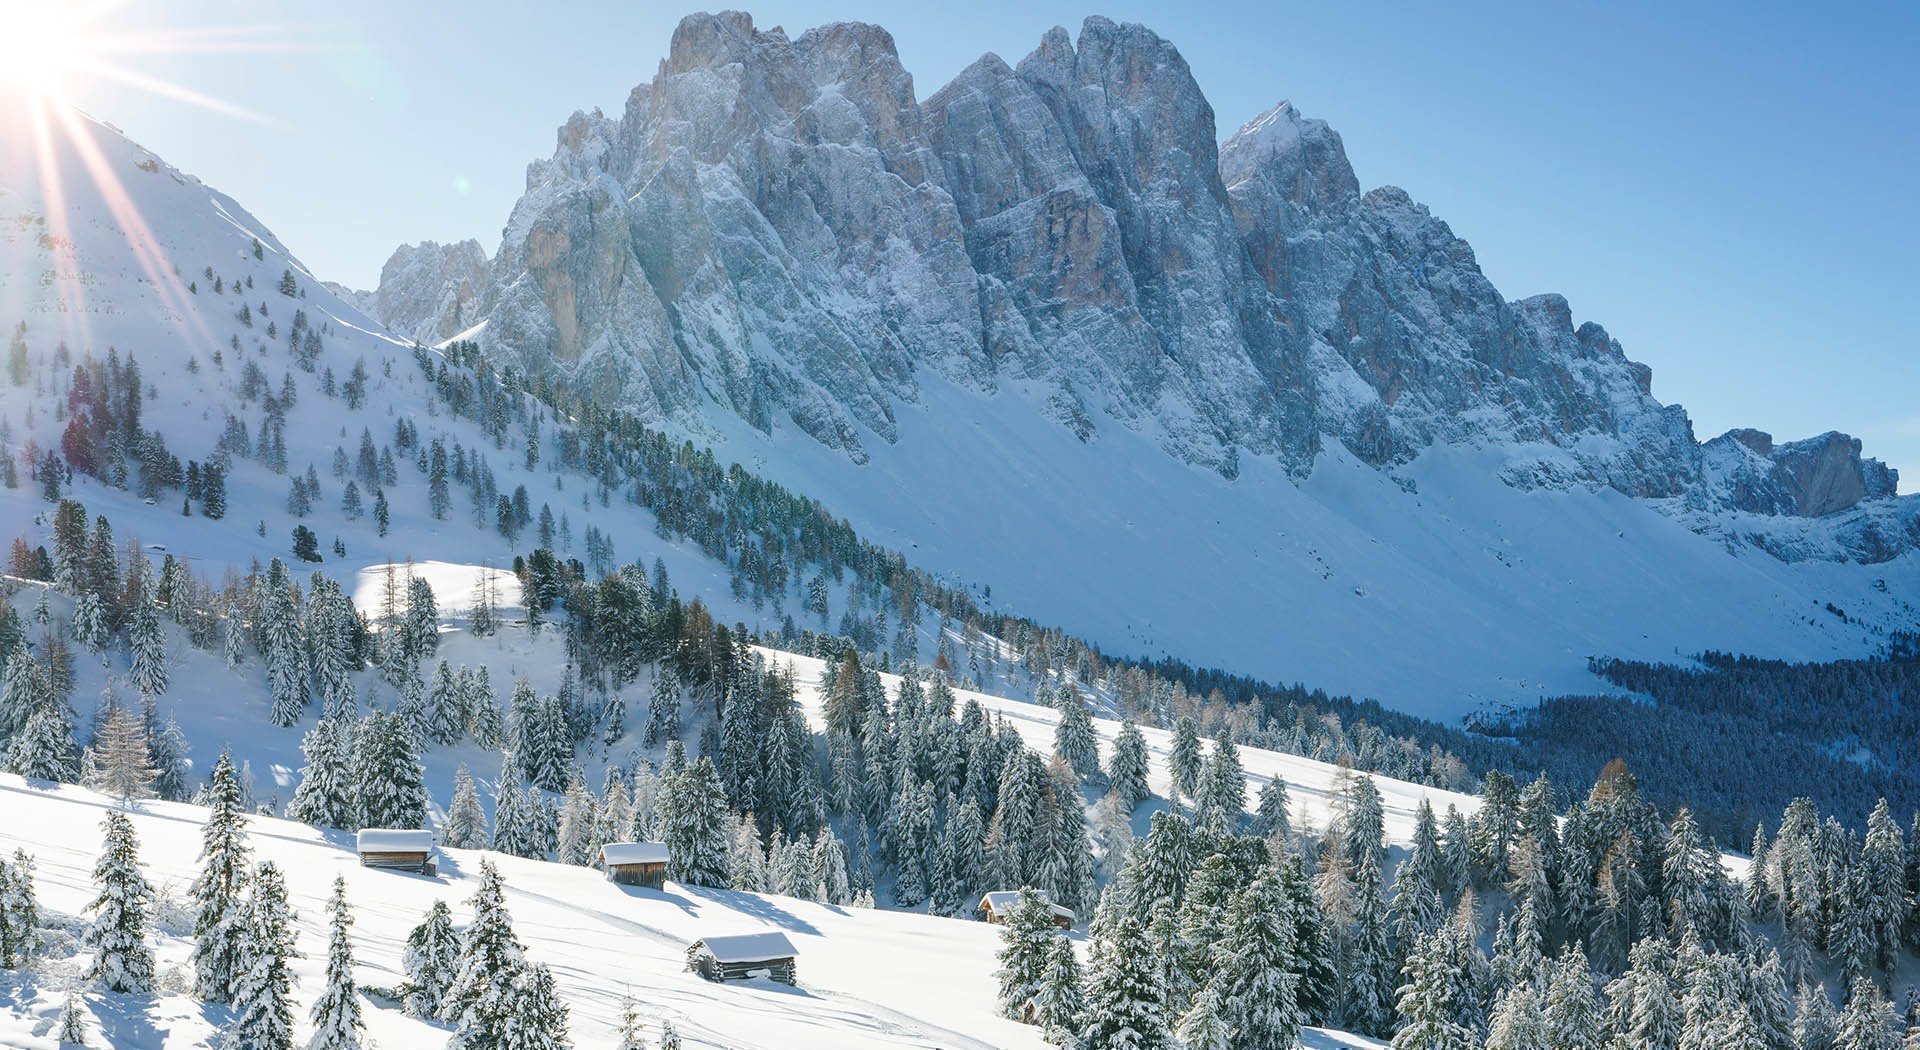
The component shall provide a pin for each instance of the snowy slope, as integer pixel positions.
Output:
(868, 979)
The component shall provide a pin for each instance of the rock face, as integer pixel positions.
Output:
(778, 229)
(428, 291)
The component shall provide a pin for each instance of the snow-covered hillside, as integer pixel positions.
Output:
(867, 978)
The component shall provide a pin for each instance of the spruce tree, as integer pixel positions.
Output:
(1060, 1002)
(149, 648)
(1642, 1009)
(45, 749)
(1025, 949)
(1572, 1012)
(663, 707)
(1073, 736)
(1257, 968)
(1220, 799)
(327, 795)
(284, 646)
(1432, 1000)
(1124, 1008)
(630, 1034)
(263, 993)
(1204, 1026)
(693, 816)
(122, 959)
(1517, 1023)
(1184, 760)
(1868, 1021)
(539, 1020)
(466, 825)
(1270, 818)
(336, 1013)
(387, 773)
(19, 912)
(431, 961)
(513, 820)
(220, 932)
(71, 1028)
(1127, 769)
(480, 1002)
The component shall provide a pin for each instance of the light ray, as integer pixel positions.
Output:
(168, 89)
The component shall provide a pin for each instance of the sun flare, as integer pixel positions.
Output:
(41, 47)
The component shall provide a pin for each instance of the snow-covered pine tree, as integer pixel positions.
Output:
(1642, 1008)
(44, 749)
(446, 710)
(71, 1028)
(669, 1038)
(1815, 1025)
(285, 649)
(1572, 1012)
(122, 959)
(1060, 1001)
(1025, 948)
(539, 1019)
(747, 862)
(579, 823)
(1221, 796)
(695, 825)
(421, 629)
(1270, 812)
(149, 649)
(90, 622)
(828, 863)
(19, 912)
(326, 795)
(466, 824)
(387, 773)
(336, 1013)
(1124, 1006)
(1517, 1023)
(1184, 760)
(220, 932)
(262, 996)
(1204, 1026)
(431, 960)
(167, 749)
(663, 705)
(480, 1002)
(1430, 1002)
(513, 818)
(1868, 1021)
(631, 1033)
(1073, 736)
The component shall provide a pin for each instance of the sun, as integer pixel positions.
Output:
(42, 45)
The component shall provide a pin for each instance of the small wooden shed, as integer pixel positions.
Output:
(635, 863)
(998, 904)
(396, 849)
(743, 956)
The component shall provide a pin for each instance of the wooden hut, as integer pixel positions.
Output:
(998, 904)
(743, 956)
(635, 863)
(396, 849)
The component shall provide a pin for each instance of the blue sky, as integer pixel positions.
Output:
(1730, 189)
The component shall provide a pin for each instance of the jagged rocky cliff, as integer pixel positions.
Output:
(780, 229)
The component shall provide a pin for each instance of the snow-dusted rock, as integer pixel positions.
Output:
(428, 291)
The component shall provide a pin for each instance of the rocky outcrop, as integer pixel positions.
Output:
(778, 229)
(429, 292)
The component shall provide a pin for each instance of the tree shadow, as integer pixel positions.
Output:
(757, 906)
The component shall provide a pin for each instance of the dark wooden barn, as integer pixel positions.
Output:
(635, 863)
(743, 956)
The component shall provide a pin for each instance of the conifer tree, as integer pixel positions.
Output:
(1025, 940)
(466, 825)
(1221, 797)
(513, 819)
(326, 795)
(1059, 1002)
(1204, 1025)
(336, 1013)
(663, 706)
(149, 648)
(1270, 818)
(629, 1036)
(1184, 760)
(122, 764)
(1432, 1000)
(263, 993)
(579, 823)
(1868, 1021)
(122, 959)
(1815, 1026)
(1127, 769)
(431, 961)
(1642, 1009)
(1572, 1012)
(71, 1028)
(446, 708)
(1257, 968)
(19, 912)
(284, 647)
(539, 1020)
(747, 864)
(44, 749)
(387, 773)
(1124, 1005)
(1073, 736)
(694, 822)
(220, 932)
(669, 1039)
(1517, 1023)
(480, 1002)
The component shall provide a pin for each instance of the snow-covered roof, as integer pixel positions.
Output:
(1001, 902)
(749, 947)
(386, 840)
(619, 853)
